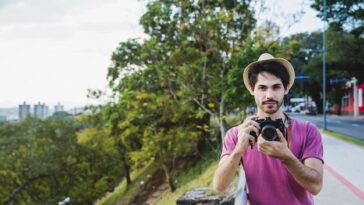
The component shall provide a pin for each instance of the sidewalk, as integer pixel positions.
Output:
(343, 173)
(347, 117)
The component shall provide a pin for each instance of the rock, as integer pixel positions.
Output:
(198, 196)
(206, 196)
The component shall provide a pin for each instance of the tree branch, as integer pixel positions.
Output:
(205, 108)
(13, 194)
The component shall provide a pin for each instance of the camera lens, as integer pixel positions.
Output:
(269, 133)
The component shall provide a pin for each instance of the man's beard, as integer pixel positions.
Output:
(273, 110)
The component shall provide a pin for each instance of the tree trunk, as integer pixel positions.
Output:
(205, 134)
(169, 178)
(222, 125)
(124, 161)
(127, 173)
(222, 122)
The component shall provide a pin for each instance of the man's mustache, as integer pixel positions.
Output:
(270, 101)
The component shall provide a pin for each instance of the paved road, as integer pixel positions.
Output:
(344, 162)
(343, 173)
(344, 125)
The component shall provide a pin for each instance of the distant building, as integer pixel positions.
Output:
(347, 101)
(24, 111)
(40, 111)
(58, 108)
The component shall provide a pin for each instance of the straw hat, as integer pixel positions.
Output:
(266, 57)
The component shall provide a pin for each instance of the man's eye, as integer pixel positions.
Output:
(277, 87)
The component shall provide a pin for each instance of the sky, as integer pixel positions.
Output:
(54, 50)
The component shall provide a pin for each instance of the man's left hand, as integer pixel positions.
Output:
(277, 149)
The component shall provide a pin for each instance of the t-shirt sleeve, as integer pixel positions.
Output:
(313, 145)
(230, 141)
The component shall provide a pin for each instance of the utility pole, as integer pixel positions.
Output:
(324, 68)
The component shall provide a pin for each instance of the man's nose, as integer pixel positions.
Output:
(270, 94)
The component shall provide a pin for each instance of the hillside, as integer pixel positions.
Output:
(149, 186)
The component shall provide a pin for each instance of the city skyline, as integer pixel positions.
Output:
(66, 104)
(53, 51)
(39, 110)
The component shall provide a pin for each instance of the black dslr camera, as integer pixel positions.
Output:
(268, 129)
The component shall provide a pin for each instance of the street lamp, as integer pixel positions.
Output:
(324, 68)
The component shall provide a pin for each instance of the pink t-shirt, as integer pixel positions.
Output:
(268, 180)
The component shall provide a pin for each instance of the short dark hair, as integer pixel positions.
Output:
(273, 68)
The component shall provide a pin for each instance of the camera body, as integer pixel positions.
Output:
(268, 129)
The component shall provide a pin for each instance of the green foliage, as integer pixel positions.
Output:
(61, 115)
(125, 195)
(196, 173)
(346, 14)
(344, 47)
(344, 60)
(197, 179)
(168, 86)
(42, 162)
(164, 134)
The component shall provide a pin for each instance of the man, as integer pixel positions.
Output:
(287, 171)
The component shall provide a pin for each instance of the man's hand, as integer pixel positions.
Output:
(228, 165)
(278, 149)
(244, 137)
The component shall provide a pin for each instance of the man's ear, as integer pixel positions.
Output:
(251, 90)
(286, 91)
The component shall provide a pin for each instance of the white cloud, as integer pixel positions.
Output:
(292, 16)
(53, 51)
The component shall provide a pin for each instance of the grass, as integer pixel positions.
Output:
(123, 195)
(195, 173)
(196, 176)
(344, 137)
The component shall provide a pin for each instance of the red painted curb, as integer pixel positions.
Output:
(348, 184)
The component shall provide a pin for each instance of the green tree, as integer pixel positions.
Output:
(42, 162)
(168, 131)
(125, 139)
(342, 61)
(197, 48)
(32, 156)
(193, 57)
(345, 14)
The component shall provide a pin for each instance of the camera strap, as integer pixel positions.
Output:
(288, 132)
